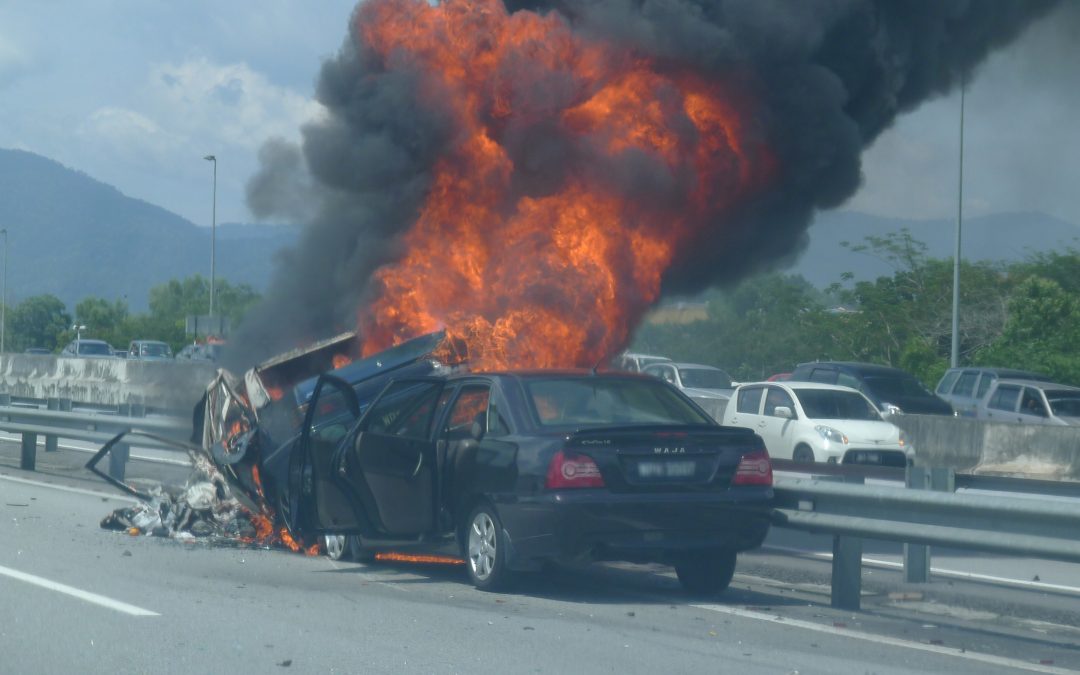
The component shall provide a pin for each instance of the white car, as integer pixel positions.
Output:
(812, 422)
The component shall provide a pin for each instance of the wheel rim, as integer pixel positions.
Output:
(335, 545)
(482, 546)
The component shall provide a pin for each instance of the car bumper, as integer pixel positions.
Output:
(595, 524)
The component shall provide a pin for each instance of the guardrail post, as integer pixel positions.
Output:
(847, 567)
(50, 440)
(28, 461)
(65, 404)
(917, 556)
(5, 399)
(118, 456)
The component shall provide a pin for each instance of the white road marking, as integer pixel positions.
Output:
(940, 571)
(885, 640)
(93, 598)
(64, 488)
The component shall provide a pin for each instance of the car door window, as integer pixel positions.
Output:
(1032, 403)
(776, 398)
(405, 409)
(471, 406)
(984, 384)
(825, 375)
(749, 401)
(965, 386)
(1004, 398)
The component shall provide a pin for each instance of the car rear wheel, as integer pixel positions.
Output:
(803, 455)
(485, 549)
(706, 573)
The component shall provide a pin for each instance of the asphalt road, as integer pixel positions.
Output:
(159, 605)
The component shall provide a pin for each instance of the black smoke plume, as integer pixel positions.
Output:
(831, 75)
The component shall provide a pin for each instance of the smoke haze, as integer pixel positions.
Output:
(828, 77)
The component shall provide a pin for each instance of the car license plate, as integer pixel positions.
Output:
(678, 469)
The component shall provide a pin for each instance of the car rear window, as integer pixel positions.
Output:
(1064, 403)
(895, 387)
(947, 382)
(95, 349)
(704, 378)
(599, 401)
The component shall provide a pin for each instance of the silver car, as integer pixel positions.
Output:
(964, 388)
(1031, 402)
(710, 387)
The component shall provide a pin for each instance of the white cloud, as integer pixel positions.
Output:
(13, 60)
(229, 104)
(130, 130)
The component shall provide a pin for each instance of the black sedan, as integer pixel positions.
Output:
(512, 470)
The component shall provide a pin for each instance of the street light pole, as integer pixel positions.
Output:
(3, 298)
(954, 359)
(213, 236)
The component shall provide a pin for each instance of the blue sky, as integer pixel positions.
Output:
(136, 92)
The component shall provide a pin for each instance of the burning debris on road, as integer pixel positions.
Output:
(245, 428)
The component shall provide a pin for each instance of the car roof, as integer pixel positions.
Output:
(1038, 384)
(798, 384)
(148, 342)
(89, 341)
(1011, 373)
(701, 366)
(866, 368)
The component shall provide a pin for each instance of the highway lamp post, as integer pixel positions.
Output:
(954, 358)
(78, 331)
(3, 298)
(213, 236)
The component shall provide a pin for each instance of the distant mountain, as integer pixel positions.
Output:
(73, 236)
(999, 237)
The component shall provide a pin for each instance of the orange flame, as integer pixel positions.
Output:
(341, 360)
(560, 278)
(422, 559)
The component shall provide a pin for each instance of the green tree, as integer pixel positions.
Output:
(1042, 331)
(104, 320)
(38, 321)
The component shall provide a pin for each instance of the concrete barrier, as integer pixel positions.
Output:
(973, 446)
(161, 385)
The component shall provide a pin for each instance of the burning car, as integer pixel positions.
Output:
(514, 469)
(509, 470)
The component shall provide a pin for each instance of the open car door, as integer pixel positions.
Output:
(388, 466)
(314, 500)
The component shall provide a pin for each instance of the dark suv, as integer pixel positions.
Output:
(892, 390)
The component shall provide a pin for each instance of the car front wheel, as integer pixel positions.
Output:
(706, 573)
(485, 549)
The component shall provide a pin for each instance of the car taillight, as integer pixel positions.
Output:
(570, 470)
(754, 469)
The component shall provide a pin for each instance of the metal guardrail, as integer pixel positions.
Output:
(55, 423)
(851, 511)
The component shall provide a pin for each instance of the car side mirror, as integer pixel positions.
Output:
(784, 411)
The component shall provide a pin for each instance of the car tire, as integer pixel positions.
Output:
(360, 553)
(803, 455)
(485, 549)
(706, 573)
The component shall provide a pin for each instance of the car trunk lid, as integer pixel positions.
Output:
(665, 457)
